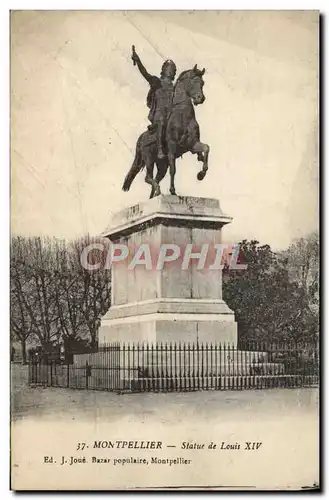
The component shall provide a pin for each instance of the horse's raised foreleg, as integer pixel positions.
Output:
(201, 148)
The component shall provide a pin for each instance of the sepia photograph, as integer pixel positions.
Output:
(164, 250)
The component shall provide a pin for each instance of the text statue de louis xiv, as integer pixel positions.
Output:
(174, 129)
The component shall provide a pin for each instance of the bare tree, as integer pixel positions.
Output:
(68, 293)
(33, 276)
(21, 324)
(52, 296)
(95, 285)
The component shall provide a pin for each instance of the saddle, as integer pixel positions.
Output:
(151, 138)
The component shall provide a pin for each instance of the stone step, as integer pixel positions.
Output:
(181, 370)
(218, 383)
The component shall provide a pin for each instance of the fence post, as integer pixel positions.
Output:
(68, 374)
(30, 371)
(184, 366)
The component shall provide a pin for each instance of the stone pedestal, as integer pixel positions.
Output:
(172, 304)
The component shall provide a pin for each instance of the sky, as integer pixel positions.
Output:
(78, 107)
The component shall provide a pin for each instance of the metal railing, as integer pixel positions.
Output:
(182, 366)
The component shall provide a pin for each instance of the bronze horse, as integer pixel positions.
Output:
(182, 135)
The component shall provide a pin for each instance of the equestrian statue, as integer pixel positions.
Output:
(174, 130)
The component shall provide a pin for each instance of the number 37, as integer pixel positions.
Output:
(81, 446)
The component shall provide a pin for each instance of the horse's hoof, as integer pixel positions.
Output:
(201, 175)
(173, 192)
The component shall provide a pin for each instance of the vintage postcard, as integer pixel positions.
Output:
(164, 268)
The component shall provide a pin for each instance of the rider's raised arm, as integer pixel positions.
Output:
(136, 59)
(149, 78)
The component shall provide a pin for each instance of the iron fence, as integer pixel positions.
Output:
(183, 367)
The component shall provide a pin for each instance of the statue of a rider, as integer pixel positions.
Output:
(159, 98)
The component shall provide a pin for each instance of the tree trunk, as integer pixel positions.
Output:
(23, 345)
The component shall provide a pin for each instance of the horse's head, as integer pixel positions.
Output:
(193, 84)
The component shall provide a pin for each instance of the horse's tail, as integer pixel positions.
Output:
(136, 167)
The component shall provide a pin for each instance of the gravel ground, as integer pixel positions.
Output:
(82, 404)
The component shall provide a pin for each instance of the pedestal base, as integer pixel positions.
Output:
(173, 302)
(168, 321)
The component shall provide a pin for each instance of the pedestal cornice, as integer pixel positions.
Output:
(178, 211)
